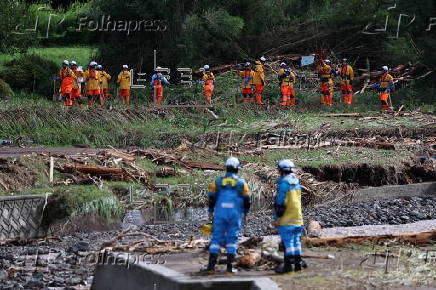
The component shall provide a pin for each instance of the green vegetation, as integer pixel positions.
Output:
(73, 201)
(47, 123)
(5, 90)
(31, 73)
(81, 54)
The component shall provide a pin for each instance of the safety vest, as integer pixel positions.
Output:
(385, 79)
(248, 78)
(292, 203)
(93, 82)
(65, 73)
(288, 80)
(346, 72)
(208, 78)
(326, 71)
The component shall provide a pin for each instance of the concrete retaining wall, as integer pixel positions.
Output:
(20, 216)
(394, 191)
(142, 276)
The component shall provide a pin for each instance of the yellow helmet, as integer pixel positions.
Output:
(206, 229)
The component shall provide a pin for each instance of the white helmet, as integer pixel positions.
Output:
(344, 59)
(73, 62)
(247, 63)
(385, 68)
(285, 165)
(92, 63)
(99, 66)
(262, 58)
(66, 62)
(233, 163)
(327, 61)
(206, 67)
(125, 66)
(283, 64)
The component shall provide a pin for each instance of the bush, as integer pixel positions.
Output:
(30, 72)
(5, 90)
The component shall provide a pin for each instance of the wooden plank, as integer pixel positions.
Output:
(413, 238)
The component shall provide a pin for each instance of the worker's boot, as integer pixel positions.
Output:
(299, 265)
(212, 262)
(287, 265)
(230, 259)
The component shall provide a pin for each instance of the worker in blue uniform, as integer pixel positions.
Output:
(229, 203)
(288, 216)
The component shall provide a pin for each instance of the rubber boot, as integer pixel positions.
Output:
(299, 264)
(287, 265)
(259, 99)
(213, 258)
(230, 259)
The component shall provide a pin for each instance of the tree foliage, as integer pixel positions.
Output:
(30, 72)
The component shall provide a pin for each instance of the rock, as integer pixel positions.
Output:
(3, 275)
(35, 284)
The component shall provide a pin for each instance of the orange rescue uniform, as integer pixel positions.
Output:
(209, 85)
(347, 76)
(68, 78)
(123, 82)
(385, 80)
(287, 81)
(247, 81)
(259, 81)
(326, 88)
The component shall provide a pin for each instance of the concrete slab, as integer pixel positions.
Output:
(116, 275)
(394, 191)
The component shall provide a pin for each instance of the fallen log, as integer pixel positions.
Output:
(202, 165)
(118, 154)
(413, 238)
(93, 170)
(344, 115)
(276, 257)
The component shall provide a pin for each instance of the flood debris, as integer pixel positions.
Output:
(412, 238)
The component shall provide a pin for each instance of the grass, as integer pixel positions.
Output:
(82, 55)
(68, 202)
(50, 124)
(328, 156)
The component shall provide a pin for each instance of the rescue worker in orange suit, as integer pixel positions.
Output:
(209, 84)
(92, 78)
(287, 80)
(104, 84)
(259, 79)
(67, 78)
(385, 86)
(325, 74)
(229, 203)
(247, 75)
(347, 76)
(76, 91)
(157, 82)
(124, 82)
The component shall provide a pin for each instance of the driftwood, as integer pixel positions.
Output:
(413, 238)
(118, 154)
(202, 165)
(276, 257)
(93, 170)
(250, 259)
